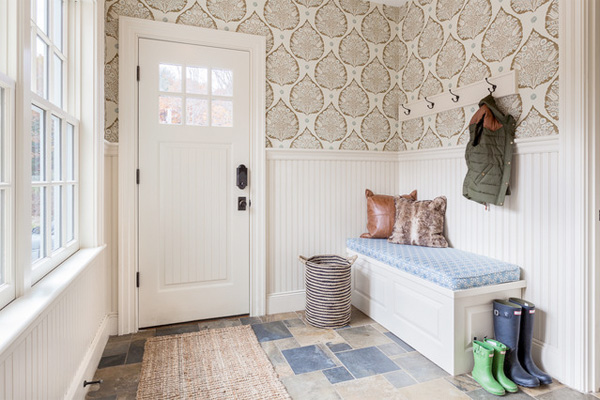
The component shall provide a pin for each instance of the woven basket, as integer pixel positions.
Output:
(328, 290)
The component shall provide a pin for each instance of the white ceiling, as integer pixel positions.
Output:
(390, 2)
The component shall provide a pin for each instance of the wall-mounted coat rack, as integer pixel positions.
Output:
(500, 85)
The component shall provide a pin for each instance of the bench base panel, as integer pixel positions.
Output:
(437, 322)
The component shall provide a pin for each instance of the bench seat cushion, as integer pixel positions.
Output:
(447, 267)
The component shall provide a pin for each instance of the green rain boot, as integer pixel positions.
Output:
(498, 365)
(483, 355)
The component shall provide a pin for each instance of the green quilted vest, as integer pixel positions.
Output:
(489, 154)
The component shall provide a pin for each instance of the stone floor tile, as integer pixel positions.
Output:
(176, 329)
(337, 375)
(288, 343)
(116, 380)
(379, 328)
(273, 353)
(116, 348)
(391, 349)
(464, 383)
(307, 335)
(359, 318)
(566, 394)
(481, 394)
(113, 397)
(136, 351)
(363, 336)
(374, 387)
(307, 359)
(279, 317)
(130, 395)
(543, 389)
(399, 341)
(283, 371)
(271, 331)
(366, 362)
(144, 334)
(219, 324)
(329, 353)
(400, 379)
(293, 323)
(251, 320)
(337, 347)
(435, 389)
(420, 367)
(111, 361)
(311, 386)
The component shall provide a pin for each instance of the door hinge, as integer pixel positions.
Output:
(137, 279)
(137, 176)
(138, 73)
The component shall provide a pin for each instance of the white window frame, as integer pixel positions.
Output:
(7, 182)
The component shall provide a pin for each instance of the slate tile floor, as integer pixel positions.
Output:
(361, 361)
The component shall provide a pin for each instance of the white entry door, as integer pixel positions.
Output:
(194, 131)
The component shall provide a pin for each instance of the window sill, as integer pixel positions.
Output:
(17, 316)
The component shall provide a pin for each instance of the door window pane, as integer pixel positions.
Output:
(57, 23)
(70, 210)
(37, 145)
(170, 110)
(55, 217)
(197, 112)
(41, 68)
(57, 80)
(40, 14)
(222, 113)
(196, 80)
(55, 148)
(70, 156)
(169, 78)
(37, 223)
(222, 82)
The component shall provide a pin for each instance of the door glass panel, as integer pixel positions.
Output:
(57, 80)
(41, 15)
(70, 156)
(37, 223)
(197, 112)
(169, 78)
(222, 113)
(196, 80)
(57, 25)
(41, 68)
(170, 110)
(222, 82)
(55, 148)
(37, 145)
(70, 220)
(55, 208)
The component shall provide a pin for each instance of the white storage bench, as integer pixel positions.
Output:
(436, 300)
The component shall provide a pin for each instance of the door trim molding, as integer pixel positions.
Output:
(130, 31)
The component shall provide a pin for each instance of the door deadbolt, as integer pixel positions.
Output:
(241, 176)
(242, 204)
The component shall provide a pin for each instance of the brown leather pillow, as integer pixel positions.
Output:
(420, 223)
(381, 214)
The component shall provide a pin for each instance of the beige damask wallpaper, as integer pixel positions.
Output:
(451, 43)
(332, 65)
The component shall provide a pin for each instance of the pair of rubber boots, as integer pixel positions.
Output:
(488, 371)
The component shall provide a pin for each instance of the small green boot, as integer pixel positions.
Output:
(498, 365)
(483, 356)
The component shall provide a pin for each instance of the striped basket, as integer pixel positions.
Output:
(328, 290)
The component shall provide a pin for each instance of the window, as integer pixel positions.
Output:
(7, 284)
(54, 190)
(208, 96)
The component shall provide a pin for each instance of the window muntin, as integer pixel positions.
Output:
(204, 97)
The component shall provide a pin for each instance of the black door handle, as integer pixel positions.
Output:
(242, 176)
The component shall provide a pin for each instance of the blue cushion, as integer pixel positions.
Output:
(450, 268)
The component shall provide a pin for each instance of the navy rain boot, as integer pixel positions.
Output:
(507, 323)
(525, 339)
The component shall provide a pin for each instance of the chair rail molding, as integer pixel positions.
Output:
(130, 31)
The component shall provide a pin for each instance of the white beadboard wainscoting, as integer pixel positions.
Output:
(316, 201)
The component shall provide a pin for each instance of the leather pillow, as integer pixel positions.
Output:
(420, 223)
(381, 214)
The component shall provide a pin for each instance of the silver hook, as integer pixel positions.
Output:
(431, 103)
(493, 88)
(455, 97)
(407, 112)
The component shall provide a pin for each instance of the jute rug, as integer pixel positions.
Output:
(215, 364)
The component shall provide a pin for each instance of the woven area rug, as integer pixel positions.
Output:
(211, 364)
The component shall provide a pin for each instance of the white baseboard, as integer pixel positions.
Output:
(286, 302)
(88, 365)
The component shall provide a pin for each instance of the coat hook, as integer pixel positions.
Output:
(407, 112)
(431, 103)
(493, 88)
(455, 97)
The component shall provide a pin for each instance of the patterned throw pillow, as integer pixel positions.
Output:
(420, 223)
(381, 214)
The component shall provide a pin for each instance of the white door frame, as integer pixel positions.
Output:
(130, 31)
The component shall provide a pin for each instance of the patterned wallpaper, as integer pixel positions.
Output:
(332, 65)
(451, 43)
